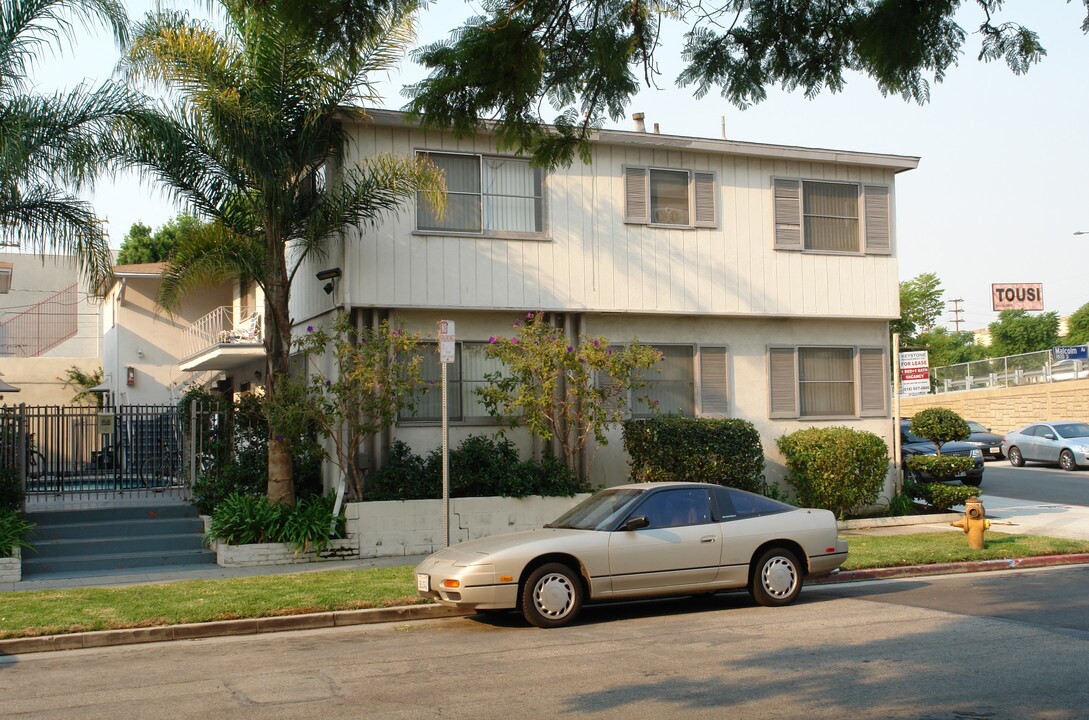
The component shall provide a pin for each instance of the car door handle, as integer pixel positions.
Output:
(707, 538)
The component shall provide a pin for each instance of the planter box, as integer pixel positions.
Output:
(261, 554)
(11, 568)
(414, 527)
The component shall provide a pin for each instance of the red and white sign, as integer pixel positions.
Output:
(1017, 296)
(914, 372)
(446, 341)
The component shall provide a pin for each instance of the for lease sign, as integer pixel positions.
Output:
(1017, 296)
(914, 372)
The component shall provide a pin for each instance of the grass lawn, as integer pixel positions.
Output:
(52, 612)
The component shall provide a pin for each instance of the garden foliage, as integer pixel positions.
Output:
(939, 425)
(480, 466)
(939, 495)
(835, 468)
(670, 447)
(14, 531)
(246, 519)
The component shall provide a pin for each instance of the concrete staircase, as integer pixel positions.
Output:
(115, 540)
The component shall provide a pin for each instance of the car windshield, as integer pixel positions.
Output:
(597, 511)
(976, 427)
(1072, 430)
(909, 438)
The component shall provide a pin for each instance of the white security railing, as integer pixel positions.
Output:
(219, 328)
(1009, 371)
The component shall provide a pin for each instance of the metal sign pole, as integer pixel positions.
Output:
(445, 469)
(898, 475)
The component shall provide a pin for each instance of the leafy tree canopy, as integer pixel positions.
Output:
(141, 246)
(949, 348)
(1016, 332)
(920, 305)
(1078, 327)
(531, 63)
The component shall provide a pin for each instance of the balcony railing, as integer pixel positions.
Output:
(42, 327)
(218, 329)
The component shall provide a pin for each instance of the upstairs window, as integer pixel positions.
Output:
(678, 198)
(486, 195)
(832, 217)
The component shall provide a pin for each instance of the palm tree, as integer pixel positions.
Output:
(50, 145)
(251, 138)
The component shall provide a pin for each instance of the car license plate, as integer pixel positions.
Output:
(423, 582)
(960, 474)
(993, 451)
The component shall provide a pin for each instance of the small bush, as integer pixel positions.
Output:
(939, 425)
(480, 466)
(835, 468)
(14, 531)
(669, 447)
(11, 490)
(939, 495)
(939, 466)
(245, 519)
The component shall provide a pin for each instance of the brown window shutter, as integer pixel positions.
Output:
(878, 220)
(635, 195)
(788, 214)
(705, 199)
(714, 382)
(782, 383)
(874, 386)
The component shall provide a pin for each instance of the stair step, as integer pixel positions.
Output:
(130, 528)
(114, 545)
(117, 562)
(113, 514)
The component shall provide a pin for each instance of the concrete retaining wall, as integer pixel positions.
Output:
(11, 568)
(1005, 409)
(260, 554)
(414, 527)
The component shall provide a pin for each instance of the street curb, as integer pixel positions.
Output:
(970, 566)
(251, 626)
(344, 618)
(880, 522)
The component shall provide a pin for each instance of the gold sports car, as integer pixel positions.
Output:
(639, 541)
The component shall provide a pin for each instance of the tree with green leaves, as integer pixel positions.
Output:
(51, 146)
(374, 372)
(946, 347)
(1017, 332)
(142, 246)
(1077, 327)
(921, 305)
(252, 122)
(562, 390)
(82, 381)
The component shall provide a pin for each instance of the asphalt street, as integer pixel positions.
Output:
(1042, 483)
(1001, 646)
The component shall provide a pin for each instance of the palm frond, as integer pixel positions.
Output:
(210, 255)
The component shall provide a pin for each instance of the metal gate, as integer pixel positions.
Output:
(87, 453)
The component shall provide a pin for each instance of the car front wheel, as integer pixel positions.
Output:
(1015, 457)
(551, 596)
(1067, 461)
(776, 578)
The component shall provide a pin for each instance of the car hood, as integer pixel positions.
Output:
(984, 438)
(477, 550)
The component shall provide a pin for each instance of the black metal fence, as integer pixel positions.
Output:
(80, 452)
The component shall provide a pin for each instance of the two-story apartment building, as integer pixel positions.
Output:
(766, 274)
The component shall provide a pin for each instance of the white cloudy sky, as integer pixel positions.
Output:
(1000, 189)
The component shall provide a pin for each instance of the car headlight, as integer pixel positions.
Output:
(977, 453)
(1081, 449)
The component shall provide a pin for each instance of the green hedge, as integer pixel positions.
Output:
(481, 466)
(835, 468)
(939, 425)
(944, 466)
(939, 495)
(669, 447)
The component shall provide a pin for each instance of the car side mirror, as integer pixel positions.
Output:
(636, 523)
(1049, 436)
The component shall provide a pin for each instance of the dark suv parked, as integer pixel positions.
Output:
(915, 445)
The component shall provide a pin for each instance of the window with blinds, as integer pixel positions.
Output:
(485, 195)
(832, 382)
(678, 198)
(463, 376)
(834, 217)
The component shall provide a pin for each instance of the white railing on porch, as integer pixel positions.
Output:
(219, 328)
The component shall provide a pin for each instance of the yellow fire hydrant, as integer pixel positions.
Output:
(974, 522)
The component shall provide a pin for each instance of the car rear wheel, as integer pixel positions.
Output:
(1067, 461)
(1015, 457)
(776, 578)
(551, 596)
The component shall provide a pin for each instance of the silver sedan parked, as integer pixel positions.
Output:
(1065, 442)
(639, 541)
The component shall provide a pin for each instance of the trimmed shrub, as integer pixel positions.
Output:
(939, 495)
(939, 466)
(245, 519)
(939, 425)
(480, 466)
(670, 447)
(11, 490)
(835, 468)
